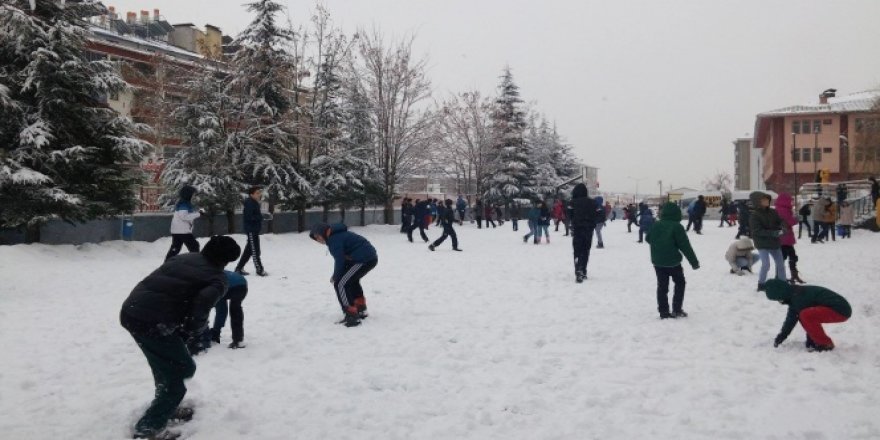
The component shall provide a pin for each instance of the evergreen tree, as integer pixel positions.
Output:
(261, 68)
(511, 175)
(208, 163)
(63, 152)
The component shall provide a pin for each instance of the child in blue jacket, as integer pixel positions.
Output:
(646, 219)
(354, 257)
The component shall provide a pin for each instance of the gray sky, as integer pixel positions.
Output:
(648, 89)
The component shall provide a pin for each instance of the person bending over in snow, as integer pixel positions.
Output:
(166, 314)
(741, 256)
(354, 257)
(812, 306)
(668, 241)
(238, 290)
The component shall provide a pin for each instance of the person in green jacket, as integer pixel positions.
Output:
(668, 241)
(812, 306)
(766, 227)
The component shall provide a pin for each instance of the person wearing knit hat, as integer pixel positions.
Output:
(182, 223)
(447, 219)
(741, 255)
(353, 257)
(166, 314)
(812, 306)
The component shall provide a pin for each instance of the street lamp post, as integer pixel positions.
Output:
(636, 197)
(816, 150)
(794, 161)
(844, 149)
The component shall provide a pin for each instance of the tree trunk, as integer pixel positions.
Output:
(363, 212)
(389, 211)
(230, 221)
(271, 225)
(211, 213)
(325, 214)
(32, 233)
(342, 213)
(301, 217)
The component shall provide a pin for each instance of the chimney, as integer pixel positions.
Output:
(130, 17)
(155, 15)
(145, 17)
(112, 12)
(828, 93)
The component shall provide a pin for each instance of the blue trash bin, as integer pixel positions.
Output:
(127, 229)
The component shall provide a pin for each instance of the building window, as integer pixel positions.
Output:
(827, 122)
(796, 127)
(826, 150)
(817, 126)
(817, 154)
(805, 155)
(868, 154)
(869, 123)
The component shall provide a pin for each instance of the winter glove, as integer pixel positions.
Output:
(779, 340)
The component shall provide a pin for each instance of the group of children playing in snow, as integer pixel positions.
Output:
(167, 312)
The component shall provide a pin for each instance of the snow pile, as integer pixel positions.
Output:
(496, 342)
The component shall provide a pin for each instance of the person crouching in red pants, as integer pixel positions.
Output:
(812, 306)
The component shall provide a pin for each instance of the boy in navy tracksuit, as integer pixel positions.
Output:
(252, 220)
(354, 257)
(235, 294)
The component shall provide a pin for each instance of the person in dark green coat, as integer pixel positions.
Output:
(668, 241)
(766, 227)
(812, 306)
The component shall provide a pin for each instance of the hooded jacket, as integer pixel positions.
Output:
(764, 223)
(819, 208)
(785, 209)
(669, 240)
(741, 248)
(251, 217)
(799, 298)
(583, 208)
(178, 295)
(345, 246)
(184, 212)
(646, 217)
(601, 214)
(847, 215)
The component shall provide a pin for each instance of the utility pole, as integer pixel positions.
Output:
(794, 160)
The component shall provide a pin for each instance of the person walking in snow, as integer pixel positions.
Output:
(669, 241)
(601, 213)
(166, 314)
(741, 256)
(724, 211)
(448, 219)
(461, 205)
(804, 214)
(742, 211)
(818, 214)
(533, 216)
(420, 212)
(631, 217)
(235, 294)
(766, 226)
(699, 213)
(499, 214)
(488, 212)
(543, 223)
(252, 220)
(646, 220)
(406, 215)
(478, 213)
(785, 209)
(690, 214)
(847, 218)
(182, 223)
(558, 214)
(354, 257)
(812, 306)
(583, 223)
(515, 215)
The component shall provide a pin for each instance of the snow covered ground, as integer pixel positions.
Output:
(497, 342)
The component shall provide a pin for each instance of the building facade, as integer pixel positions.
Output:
(836, 135)
(742, 163)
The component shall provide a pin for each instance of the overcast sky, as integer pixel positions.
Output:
(648, 89)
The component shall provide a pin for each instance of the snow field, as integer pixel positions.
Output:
(490, 343)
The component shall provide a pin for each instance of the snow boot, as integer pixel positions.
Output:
(182, 414)
(761, 287)
(600, 246)
(819, 348)
(215, 335)
(810, 344)
(351, 320)
(431, 247)
(458, 250)
(680, 314)
(796, 277)
(579, 277)
(242, 272)
(262, 273)
(236, 345)
(666, 315)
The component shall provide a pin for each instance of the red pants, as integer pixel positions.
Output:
(812, 319)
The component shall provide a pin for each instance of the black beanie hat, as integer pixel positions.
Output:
(186, 193)
(221, 249)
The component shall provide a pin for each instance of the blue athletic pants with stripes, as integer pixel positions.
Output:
(348, 287)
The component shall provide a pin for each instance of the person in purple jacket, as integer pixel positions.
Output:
(354, 257)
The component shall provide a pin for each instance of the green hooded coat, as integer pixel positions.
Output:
(799, 298)
(765, 223)
(669, 240)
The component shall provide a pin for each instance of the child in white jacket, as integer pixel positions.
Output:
(741, 256)
(182, 223)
